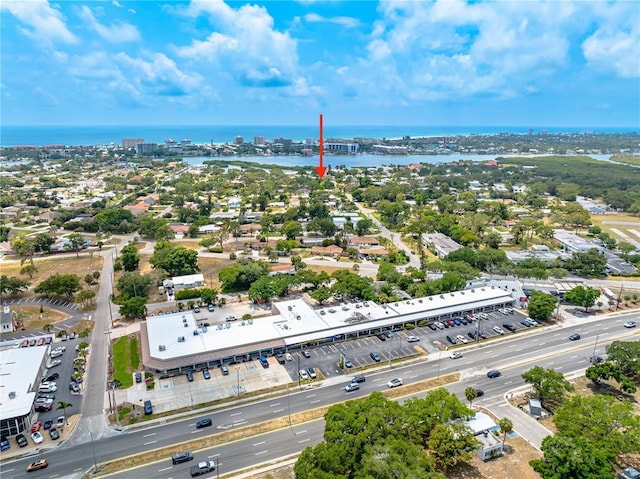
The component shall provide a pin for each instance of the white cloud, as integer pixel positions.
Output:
(119, 32)
(245, 41)
(349, 22)
(44, 24)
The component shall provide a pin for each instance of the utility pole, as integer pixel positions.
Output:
(594, 347)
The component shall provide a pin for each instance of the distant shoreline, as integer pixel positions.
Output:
(39, 136)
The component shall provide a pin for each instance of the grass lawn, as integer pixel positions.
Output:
(126, 360)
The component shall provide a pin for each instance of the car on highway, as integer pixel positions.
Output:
(395, 382)
(37, 438)
(204, 467)
(358, 379)
(375, 356)
(574, 337)
(493, 373)
(456, 355)
(206, 422)
(54, 434)
(303, 374)
(180, 457)
(351, 387)
(37, 465)
(413, 339)
(630, 324)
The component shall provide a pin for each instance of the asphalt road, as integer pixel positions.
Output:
(548, 348)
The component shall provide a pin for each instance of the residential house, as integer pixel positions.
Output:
(6, 320)
(331, 250)
(188, 281)
(440, 244)
(483, 428)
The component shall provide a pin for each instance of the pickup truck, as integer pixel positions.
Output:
(203, 467)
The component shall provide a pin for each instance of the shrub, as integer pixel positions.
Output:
(187, 294)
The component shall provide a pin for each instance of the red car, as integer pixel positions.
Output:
(40, 342)
(24, 343)
(36, 466)
(36, 426)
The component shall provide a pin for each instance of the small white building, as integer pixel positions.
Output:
(188, 281)
(483, 428)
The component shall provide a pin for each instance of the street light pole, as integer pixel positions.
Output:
(594, 347)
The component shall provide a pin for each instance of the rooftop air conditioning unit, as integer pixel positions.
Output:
(195, 332)
(12, 395)
(162, 347)
(186, 325)
(181, 339)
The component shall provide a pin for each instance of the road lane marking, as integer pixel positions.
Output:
(276, 411)
(304, 440)
(301, 432)
(259, 443)
(262, 452)
(311, 396)
(149, 435)
(313, 402)
(236, 414)
(276, 404)
(149, 443)
(165, 469)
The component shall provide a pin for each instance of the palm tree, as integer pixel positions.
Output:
(64, 405)
(470, 393)
(506, 426)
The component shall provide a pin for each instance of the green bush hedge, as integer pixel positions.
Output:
(187, 294)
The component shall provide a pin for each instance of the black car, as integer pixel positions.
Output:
(21, 440)
(574, 337)
(358, 379)
(138, 377)
(180, 457)
(509, 327)
(382, 337)
(432, 327)
(479, 392)
(204, 423)
(51, 377)
(472, 335)
(189, 376)
(494, 373)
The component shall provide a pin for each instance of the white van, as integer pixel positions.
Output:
(48, 388)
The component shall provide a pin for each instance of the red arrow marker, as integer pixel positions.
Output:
(321, 169)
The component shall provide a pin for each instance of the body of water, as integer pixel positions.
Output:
(363, 160)
(105, 135)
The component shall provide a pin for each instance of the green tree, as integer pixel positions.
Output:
(291, 229)
(181, 261)
(452, 443)
(130, 257)
(572, 456)
(12, 285)
(86, 297)
(320, 294)
(506, 426)
(541, 305)
(582, 296)
(24, 247)
(262, 290)
(548, 384)
(133, 284)
(59, 285)
(470, 393)
(363, 227)
(133, 307)
(75, 242)
(627, 355)
(29, 270)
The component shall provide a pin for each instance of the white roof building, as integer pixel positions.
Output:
(175, 341)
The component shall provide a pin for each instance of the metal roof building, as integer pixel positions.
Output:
(173, 343)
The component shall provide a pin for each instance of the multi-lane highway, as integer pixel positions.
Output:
(547, 347)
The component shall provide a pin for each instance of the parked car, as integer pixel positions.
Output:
(312, 373)
(206, 374)
(37, 465)
(596, 359)
(395, 382)
(51, 377)
(526, 323)
(74, 387)
(21, 440)
(351, 387)
(413, 339)
(72, 335)
(498, 330)
(509, 326)
(210, 308)
(574, 337)
(348, 364)
(148, 408)
(36, 426)
(306, 353)
(451, 339)
(189, 376)
(381, 336)
(375, 356)
(288, 357)
(264, 362)
(37, 437)
(40, 342)
(47, 424)
(494, 373)
(479, 392)
(439, 325)
(280, 358)
(4, 445)
(60, 422)
(54, 434)
(472, 335)
(432, 326)
(53, 363)
(461, 339)
(24, 343)
(33, 342)
(225, 370)
(206, 422)
(138, 377)
(303, 374)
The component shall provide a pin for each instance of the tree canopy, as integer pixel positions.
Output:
(59, 285)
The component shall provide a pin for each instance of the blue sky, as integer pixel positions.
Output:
(497, 63)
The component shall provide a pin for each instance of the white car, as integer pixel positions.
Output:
(303, 374)
(630, 324)
(60, 422)
(439, 325)
(462, 339)
(413, 339)
(456, 355)
(53, 363)
(288, 357)
(533, 322)
(37, 437)
(394, 383)
(498, 329)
